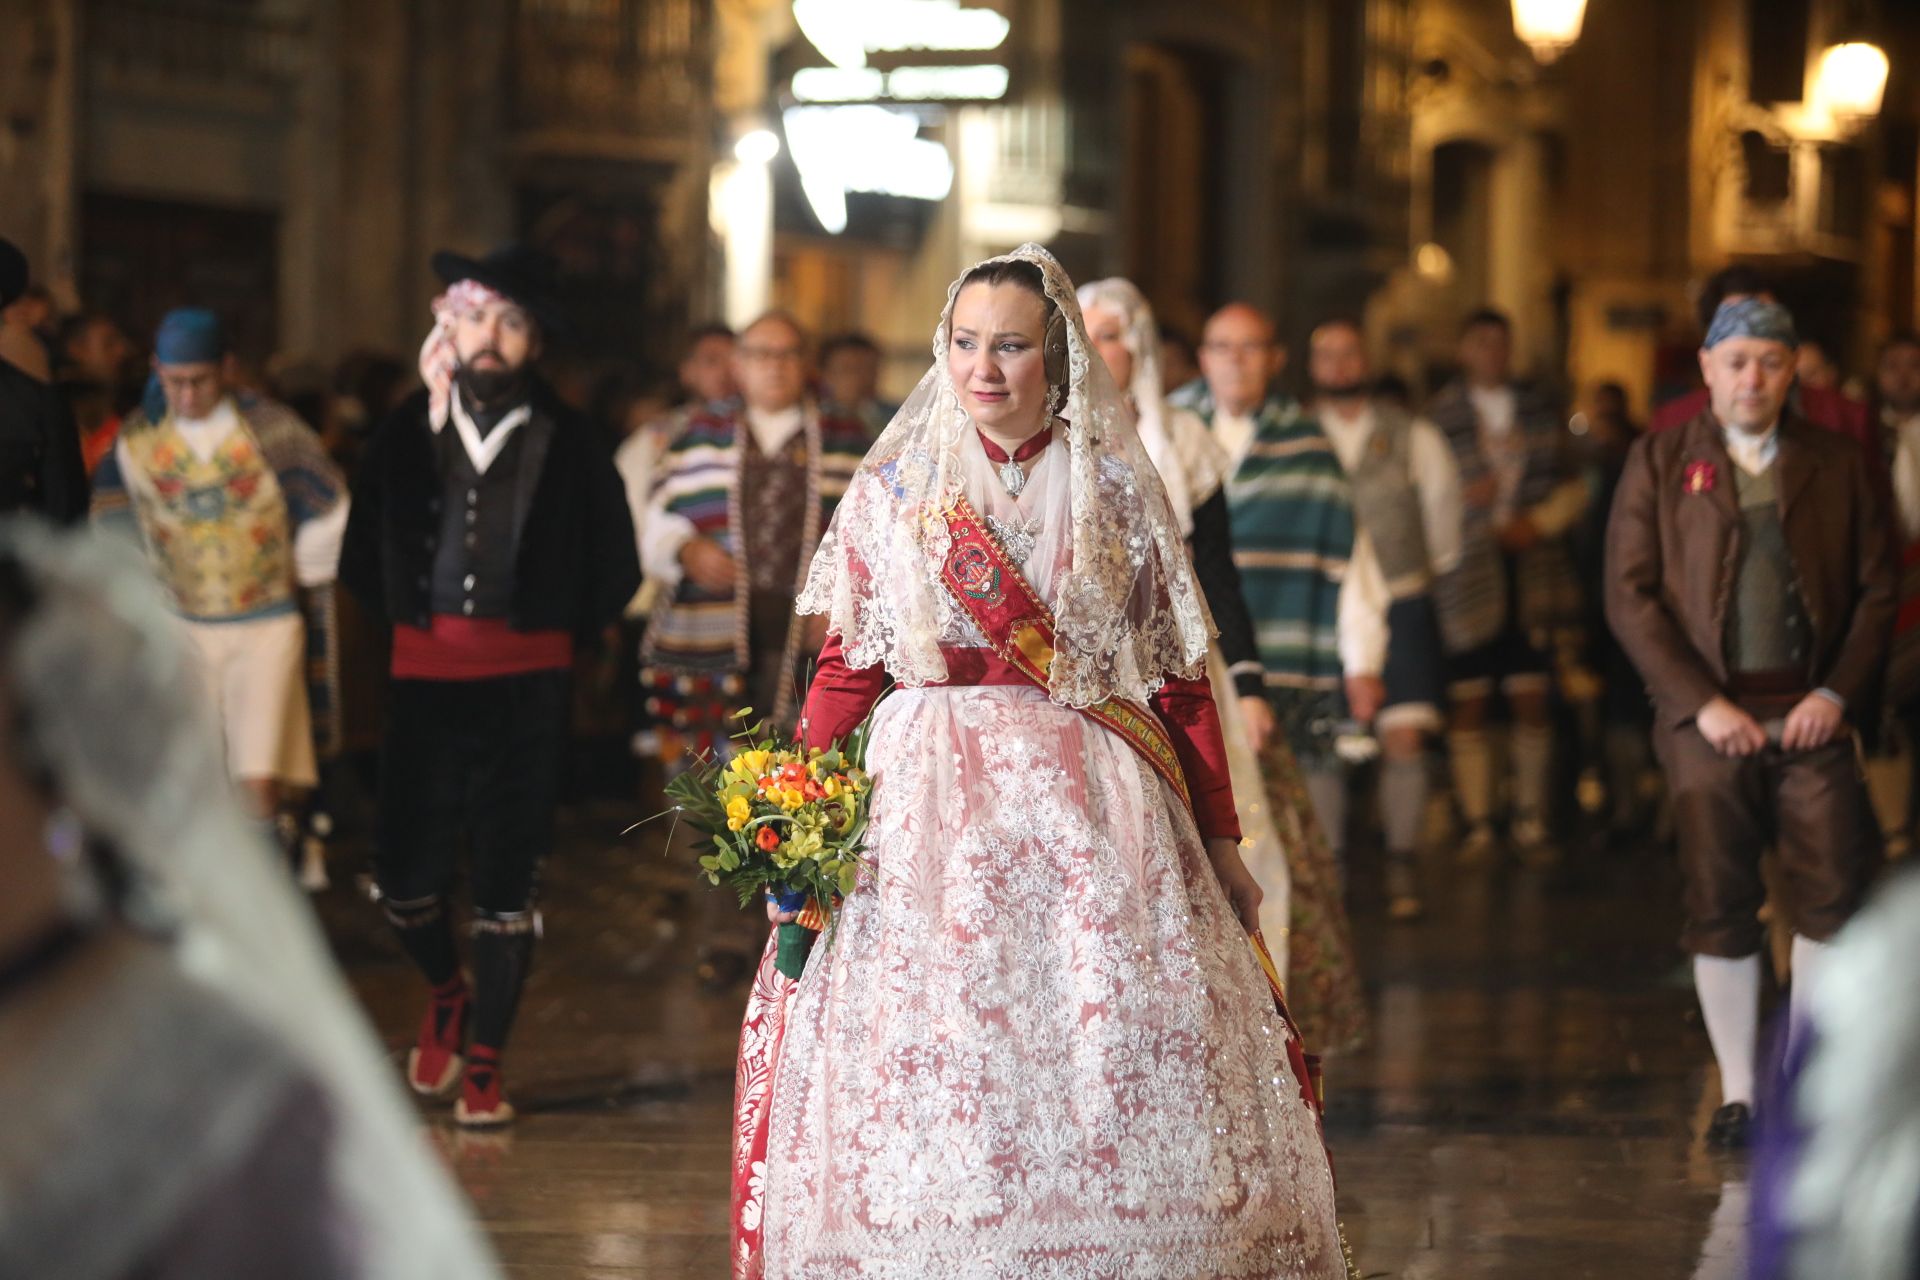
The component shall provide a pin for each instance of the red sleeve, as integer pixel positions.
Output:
(839, 697)
(1193, 722)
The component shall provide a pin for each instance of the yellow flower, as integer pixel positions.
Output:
(792, 798)
(735, 824)
(738, 812)
(754, 762)
(832, 787)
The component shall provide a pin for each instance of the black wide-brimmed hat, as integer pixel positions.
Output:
(13, 272)
(516, 271)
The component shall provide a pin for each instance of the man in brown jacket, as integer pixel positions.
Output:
(1750, 578)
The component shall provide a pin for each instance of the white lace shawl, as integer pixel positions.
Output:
(1127, 611)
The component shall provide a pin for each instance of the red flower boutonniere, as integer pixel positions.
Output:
(1700, 477)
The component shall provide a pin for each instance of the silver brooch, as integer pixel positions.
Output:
(1018, 539)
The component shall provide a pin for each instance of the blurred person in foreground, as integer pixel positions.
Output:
(1837, 1169)
(190, 1092)
(1750, 579)
(489, 533)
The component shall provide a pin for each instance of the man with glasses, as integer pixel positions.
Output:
(1320, 628)
(739, 501)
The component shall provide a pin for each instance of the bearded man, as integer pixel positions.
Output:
(490, 529)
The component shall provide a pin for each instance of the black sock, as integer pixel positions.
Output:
(426, 935)
(502, 955)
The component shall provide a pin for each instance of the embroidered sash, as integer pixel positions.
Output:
(1018, 624)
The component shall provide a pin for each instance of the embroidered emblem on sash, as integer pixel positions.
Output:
(975, 573)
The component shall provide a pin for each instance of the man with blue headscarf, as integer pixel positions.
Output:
(1750, 579)
(241, 513)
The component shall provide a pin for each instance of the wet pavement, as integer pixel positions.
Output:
(1528, 1107)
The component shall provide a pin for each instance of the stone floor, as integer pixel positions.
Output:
(1527, 1107)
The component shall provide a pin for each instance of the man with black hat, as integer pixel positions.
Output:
(40, 466)
(490, 529)
(1750, 578)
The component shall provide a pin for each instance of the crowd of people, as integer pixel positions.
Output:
(1515, 631)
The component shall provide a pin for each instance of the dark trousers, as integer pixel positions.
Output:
(473, 759)
(1810, 806)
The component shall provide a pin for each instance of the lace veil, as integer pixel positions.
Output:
(1127, 611)
(113, 716)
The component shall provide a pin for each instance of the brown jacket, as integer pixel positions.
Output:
(1673, 545)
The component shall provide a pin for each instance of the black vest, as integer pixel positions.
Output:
(473, 568)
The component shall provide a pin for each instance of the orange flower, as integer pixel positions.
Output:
(768, 839)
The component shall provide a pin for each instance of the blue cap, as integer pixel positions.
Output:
(1752, 318)
(189, 335)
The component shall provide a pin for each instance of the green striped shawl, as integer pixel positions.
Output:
(1292, 518)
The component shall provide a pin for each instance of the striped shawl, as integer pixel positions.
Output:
(703, 633)
(1293, 531)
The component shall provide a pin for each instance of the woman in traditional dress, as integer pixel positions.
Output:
(1036, 1042)
(1283, 846)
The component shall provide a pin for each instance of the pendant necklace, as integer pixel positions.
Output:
(1012, 475)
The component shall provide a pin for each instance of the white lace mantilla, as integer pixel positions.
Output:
(1128, 613)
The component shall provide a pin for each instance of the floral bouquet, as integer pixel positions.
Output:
(785, 822)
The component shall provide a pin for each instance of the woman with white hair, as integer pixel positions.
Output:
(1285, 847)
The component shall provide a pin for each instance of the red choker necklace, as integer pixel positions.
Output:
(1011, 474)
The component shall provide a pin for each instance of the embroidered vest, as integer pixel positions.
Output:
(217, 529)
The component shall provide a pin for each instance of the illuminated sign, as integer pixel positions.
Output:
(863, 148)
(846, 31)
(904, 84)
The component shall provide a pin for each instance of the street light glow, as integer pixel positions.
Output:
(1851, 80)
(863, 148)
(1548, 27)
(758, 147)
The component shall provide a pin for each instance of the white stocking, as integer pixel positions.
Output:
(1730, 1001)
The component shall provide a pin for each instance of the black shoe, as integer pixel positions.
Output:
(1730, 1128)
